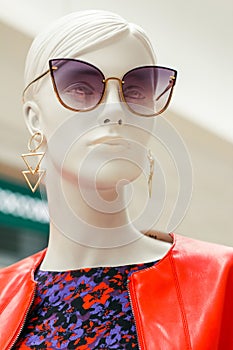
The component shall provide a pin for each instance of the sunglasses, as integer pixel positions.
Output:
(81, 87)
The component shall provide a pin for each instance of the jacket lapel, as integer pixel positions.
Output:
(158, 308)
(16, 295)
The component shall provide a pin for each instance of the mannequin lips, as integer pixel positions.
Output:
(110, 140)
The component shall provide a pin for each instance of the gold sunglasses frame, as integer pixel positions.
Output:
(170, 87)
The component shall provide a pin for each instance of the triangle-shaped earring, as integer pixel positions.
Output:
(34, 174)
(33, 180)
(34, 167)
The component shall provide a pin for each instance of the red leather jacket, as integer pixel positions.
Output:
(183, 302)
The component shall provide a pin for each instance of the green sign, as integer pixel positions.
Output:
(20, 208)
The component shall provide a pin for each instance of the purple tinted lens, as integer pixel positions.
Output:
(147, 90)
(78, 85)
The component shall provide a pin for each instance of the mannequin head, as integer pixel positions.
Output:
(114, 46)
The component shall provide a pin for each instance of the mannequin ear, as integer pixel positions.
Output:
(32, 116)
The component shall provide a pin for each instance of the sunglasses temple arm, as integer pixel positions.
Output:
(32, 82)
(170, 85)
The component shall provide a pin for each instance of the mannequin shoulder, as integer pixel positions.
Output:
(203, 250)
(184, 247)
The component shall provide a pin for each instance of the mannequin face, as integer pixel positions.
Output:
(93, 147)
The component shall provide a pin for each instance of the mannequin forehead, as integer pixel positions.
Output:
(118, 57)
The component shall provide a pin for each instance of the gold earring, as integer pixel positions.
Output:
(34, 174)
(152, 161)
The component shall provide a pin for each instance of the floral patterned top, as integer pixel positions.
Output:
(81, 309)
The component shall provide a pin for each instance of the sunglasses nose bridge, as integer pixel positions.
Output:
(113, 89)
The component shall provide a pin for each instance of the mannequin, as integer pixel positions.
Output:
(102, 284)
(107, 236)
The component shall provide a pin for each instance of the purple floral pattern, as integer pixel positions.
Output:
(82, 309)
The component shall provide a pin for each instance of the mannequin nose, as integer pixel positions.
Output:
(112, 112)
(112, 94)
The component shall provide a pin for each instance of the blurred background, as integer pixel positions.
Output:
(194, 37)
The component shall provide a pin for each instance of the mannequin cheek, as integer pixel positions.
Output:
(139, 130)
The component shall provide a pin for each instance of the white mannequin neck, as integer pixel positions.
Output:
(75, 244)
(63, 254)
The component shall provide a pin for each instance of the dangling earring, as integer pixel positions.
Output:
(35, 174)
(151, 160)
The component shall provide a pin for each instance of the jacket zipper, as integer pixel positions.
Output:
(128, 281)
(13, 342)
(130, 300)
